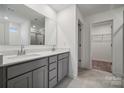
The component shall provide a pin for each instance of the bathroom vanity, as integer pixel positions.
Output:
(25, 30)
(41, 70)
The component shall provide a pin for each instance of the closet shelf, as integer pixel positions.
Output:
(101, 34)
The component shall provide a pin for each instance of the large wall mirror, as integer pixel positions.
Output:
(20, 25)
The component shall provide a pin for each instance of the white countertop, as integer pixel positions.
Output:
(14, 59)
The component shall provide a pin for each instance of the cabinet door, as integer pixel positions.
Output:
(1, 77)
(65, 67)
(60, 66)
(40, 77)
(23, 81)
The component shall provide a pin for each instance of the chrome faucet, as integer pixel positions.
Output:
(53, 48)
(22, 50)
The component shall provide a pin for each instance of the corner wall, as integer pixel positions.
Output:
(66, 38)
(67, 30)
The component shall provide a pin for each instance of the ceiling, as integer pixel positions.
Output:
(59, 7)
(87, 9)
(91, 9)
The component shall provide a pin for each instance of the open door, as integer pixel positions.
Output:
(79, 43)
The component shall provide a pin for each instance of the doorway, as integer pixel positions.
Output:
(101, 46)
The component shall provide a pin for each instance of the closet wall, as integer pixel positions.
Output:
(101, 46)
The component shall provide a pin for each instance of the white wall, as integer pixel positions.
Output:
(117, 16)
(101, 42)
(50, 32)
(67, 30)
(66, 38)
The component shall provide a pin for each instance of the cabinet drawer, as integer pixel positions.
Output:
(19, 69)
(52, 66)
(52, 59)
(53, 82)
(52, 74)
(61, 56)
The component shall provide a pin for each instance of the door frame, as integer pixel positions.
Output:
(81, 42)
(91, 26)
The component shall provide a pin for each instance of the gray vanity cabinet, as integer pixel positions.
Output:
(63, 60)
(27, 75)
(52, 71)
(65, 67)
(23, 81)
(1, 78)
(44, 72)
(40, 77)
(60, 76)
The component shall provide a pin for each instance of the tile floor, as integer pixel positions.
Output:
(91, 79)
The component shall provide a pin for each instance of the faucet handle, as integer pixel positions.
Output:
(53, 48)
(18, 52)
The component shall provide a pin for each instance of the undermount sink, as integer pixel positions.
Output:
(22, 56)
